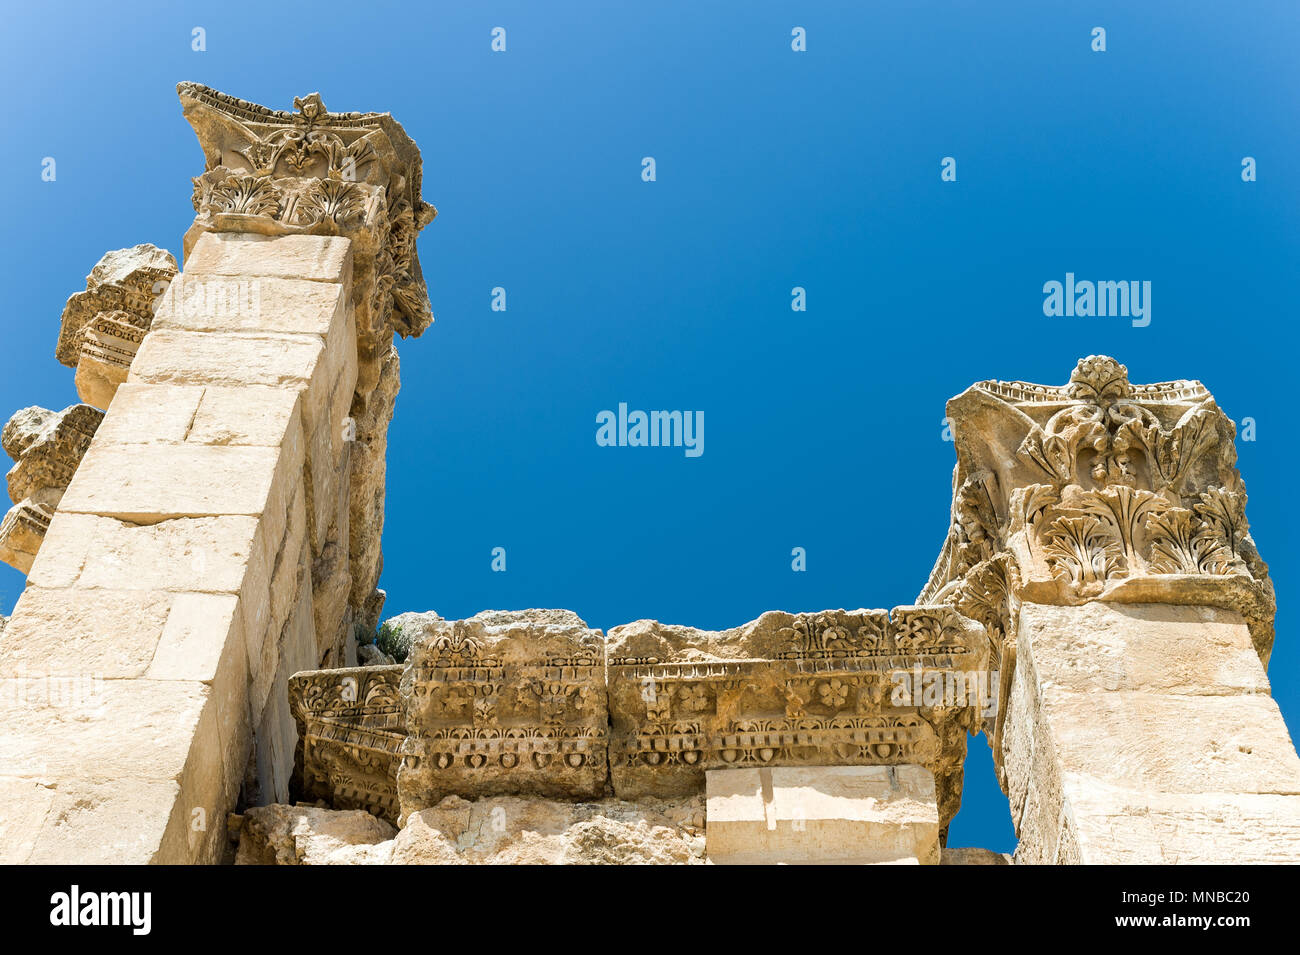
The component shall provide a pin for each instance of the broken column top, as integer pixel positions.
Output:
(310, 171)
(1098, 489)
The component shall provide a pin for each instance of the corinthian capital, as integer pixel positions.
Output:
(314, 172)
(1098, 489)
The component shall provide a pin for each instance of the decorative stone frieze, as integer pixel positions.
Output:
(47, 448)
(835, 688)
(102, 327)
(351, 724)
(504, 703)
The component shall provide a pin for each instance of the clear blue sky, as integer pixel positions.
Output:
(774, 169)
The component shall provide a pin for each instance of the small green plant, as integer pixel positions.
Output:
(394, 642)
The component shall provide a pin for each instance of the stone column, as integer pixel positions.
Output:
(1099, 533)
(208, 545)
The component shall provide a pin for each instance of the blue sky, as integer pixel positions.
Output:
(774, 169)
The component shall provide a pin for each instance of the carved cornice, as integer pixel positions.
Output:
(314, 172)
(836, 688)
(47, 448)
(351, 724)
(505, 704)
(1096, 490)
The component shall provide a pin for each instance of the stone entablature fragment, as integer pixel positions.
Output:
(523, 704)
(504, 703)
(102, 327)
(351, 724)
(47, 447)
(836, 688)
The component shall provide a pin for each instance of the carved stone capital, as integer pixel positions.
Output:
(311, 171)
(102, 327)
(1098, 489)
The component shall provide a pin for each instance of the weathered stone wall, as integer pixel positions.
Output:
(174, 583)
(218, 535)
(1145, 733)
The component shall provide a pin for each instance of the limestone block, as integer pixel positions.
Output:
(209, 358)
(181, 554)
(198, 302)
(1176, 744)
(118, 821)
(320, 258)
(504, 703)
(505, 830)
(855, 815)
(109, 730)
(252, 415)
(1158, 648)
(1116, 826)
(145, 484)
(26, 803)
(302, 835)
(83, 634)
(198, 635)
(150, 414)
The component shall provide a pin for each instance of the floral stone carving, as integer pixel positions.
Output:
(836, 688)
(1099, 489)
(311, 171)
(47, 447)
(351, 724)
(504, 703)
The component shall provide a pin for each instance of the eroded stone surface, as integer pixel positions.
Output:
(504, 703)
(303, 835)
(351, 725)
(833, 688)
(823, 815)
(102, 327)
(47, 448)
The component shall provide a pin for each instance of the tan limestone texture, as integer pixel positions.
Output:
(102, 327)
(973, 856)
(1099, 533)
(303, 835)
(47, 448)
(817, 689)
(504, 703)
(1143, 733)
(497, 830)
(200, 553)
(823, 815)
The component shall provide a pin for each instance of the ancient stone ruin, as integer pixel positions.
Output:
(201, 538)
